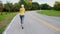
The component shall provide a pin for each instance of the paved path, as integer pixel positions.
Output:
(34, 24)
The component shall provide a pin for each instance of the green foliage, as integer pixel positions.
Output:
(26, 4)
(45, 6)
(21, 2)
(57, 6)
(29, 5)
(16, 7)
(35, 6)
(8, 6)
(2, 29)
(1, 7)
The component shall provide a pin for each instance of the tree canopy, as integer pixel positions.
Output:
(57, 5)
(29, 5)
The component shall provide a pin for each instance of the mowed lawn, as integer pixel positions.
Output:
(5, 19)
(50, 12)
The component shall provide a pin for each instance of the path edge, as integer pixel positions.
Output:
(4, 32)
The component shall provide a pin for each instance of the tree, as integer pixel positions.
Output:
(57, 6)
(27, 4)
(8, 7)
(1, 7)
(35, 6)
(45, 6)
(16, 7)
(21, 2)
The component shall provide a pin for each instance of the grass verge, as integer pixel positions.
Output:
(50, 12)
(5, 19)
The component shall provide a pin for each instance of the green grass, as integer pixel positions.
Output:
(2, 29)
(6, 18)
(2, 17)
(50, 12)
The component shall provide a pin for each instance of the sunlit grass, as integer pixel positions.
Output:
(6, 18)
(50, 12)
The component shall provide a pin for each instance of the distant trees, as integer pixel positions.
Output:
(45, 7)
(16, 7)
(21, 2)
(29, 5)
(57, 6)
(1, 7)
(8, 7)
(25, 4)
(35, 6)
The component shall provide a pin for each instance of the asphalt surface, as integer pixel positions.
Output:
(34, 24)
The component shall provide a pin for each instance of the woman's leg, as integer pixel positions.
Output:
(22, 18)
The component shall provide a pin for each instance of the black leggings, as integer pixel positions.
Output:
(22, 18)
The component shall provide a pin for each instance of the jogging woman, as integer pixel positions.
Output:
(22, 12)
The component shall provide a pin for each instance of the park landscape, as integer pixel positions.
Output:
(9, 10)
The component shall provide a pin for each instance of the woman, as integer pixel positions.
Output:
(22, 12)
